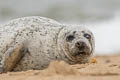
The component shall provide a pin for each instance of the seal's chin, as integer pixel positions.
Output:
(81, 57)
(82, 53)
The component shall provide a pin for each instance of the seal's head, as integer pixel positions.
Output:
(77, 44)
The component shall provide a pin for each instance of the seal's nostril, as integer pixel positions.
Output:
(80, 44)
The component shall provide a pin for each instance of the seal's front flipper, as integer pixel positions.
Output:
(12, 57)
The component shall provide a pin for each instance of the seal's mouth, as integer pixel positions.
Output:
(81, 53)
(81, 49)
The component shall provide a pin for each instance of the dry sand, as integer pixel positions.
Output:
(106, 68)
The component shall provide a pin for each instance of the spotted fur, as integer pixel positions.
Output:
(33, 42)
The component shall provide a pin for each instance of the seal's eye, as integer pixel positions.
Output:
(87, 36)
(70, 38)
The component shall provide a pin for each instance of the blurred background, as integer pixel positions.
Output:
(100, 16)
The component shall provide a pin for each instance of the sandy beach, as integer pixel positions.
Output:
(106, 68)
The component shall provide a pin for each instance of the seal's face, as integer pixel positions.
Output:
(79, 44)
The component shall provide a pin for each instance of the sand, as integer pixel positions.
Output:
(106, 68)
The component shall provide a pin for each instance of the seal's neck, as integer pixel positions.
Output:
(60, 43)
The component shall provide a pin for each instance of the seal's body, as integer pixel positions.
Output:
(33, 42)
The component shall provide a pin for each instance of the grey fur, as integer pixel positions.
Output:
(33, 42)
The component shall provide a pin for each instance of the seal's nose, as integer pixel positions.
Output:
(80, 45)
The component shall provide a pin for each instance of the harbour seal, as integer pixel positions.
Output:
(33, 42)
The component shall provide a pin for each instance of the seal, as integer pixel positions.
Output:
(33, 42)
